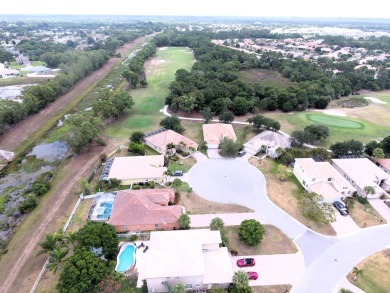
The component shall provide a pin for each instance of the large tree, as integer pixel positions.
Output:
(187, 103)
(260, 121)
(348, 147)
(131, 77)
(302, 137)
(137, 136)
(184, 222)
(207, 114)
(99, 235)
(173, 123)
(226, 117)
(319, 131)
(314, 208)
(251, 232)
(217, 224)
(82, 272)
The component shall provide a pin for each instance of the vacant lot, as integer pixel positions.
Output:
(195, 204)
(376, 270)
(274, 242)
(283, 194)
(160, 72)
(265, 77)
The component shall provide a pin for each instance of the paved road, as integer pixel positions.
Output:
(320, 270)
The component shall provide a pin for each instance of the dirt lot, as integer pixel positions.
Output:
(195, 204)
(20, 132)
(20, 267)
(274, 242)
(283, 195)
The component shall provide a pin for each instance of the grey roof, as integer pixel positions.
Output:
(279, 139)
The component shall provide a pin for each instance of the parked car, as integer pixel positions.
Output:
(177, 173)
(241, 153)
(341, 208)
(252, 275)
(246, 262)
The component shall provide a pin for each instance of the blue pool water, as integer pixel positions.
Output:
(126, 258)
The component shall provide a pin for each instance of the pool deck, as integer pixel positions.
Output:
(140, 262)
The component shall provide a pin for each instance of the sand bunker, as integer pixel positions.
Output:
(375, 100)
(163, 48)
(334, 113)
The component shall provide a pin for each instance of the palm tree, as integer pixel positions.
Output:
(356, 272)
(240, 279)
(50, 243)
(71, 238)
(343, 290)
(56, 259)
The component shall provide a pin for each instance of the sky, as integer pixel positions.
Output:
(261, 8)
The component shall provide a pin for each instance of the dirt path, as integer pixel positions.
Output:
(20, 266)
(20, 132)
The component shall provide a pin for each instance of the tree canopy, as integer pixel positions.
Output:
(229, 148)
(173, 123)
(314, 208)
(251, 232)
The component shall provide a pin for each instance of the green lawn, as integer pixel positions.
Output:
(341, 128)
(145, 114)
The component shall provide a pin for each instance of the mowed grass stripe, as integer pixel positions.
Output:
(145, 114)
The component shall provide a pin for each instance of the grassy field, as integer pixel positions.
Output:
(376, 269)
(160, 72)
(341, 128)
(264, 77)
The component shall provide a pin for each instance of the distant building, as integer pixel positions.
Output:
(138, 169)
(213, 133)
(22, 60)
(6, 73)
(269, 142)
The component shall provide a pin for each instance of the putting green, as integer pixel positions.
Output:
(334, 121)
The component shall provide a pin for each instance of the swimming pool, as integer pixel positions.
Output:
(125, 258)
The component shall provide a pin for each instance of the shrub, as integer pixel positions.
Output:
(251, 232)
(103, 157)
(133, 238)
(151, 184)
(28, 204)
(135, 187)
(362, 200)
(138, 148)
(177, 197)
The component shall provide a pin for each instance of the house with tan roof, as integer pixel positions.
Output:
(322, 178)
(384, 164)
(138, 169)
(213, 133)
(145, 210)
(159, 139)
(190, 257)
(268, 141)
(361, 172)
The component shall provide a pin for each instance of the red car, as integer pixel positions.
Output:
(246, 262)
(252, 275)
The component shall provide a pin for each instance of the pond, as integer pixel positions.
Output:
(50, 152)
(12, 92)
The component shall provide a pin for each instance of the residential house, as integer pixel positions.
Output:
(138, 169)
(269, 141)
(322, 178)
(190, 257)
(361, 172)
(160, 138)
(213, 133)
(384, 164)
(6, 73)
(145, 210)
(37, 69)
(22, 60)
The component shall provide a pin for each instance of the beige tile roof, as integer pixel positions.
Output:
(160, 140)
(139, 207)
(179, 253)
(126, 168)
(214, 132)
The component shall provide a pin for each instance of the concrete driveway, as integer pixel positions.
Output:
(228, 181)
(344, 225)
(381, 208)
(213, 154)
(199, 157)
(273, 269)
